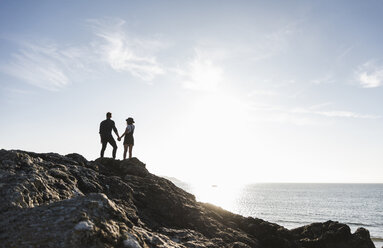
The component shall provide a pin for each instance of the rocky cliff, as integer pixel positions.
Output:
(50, 200)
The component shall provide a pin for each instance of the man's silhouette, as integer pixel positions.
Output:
(106, 127)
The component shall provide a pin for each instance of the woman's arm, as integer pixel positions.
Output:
(126, 131)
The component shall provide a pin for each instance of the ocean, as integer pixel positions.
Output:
(293, 205)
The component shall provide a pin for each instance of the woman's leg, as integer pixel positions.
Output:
(130, 151)
(125, 150)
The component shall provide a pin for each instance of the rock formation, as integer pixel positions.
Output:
(50, 200)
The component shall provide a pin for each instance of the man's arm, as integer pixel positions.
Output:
(115, 130)
(100, 132)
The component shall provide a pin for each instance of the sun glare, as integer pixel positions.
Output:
(221, 195)
(218, 140)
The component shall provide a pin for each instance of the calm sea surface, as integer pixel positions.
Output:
(294, 205)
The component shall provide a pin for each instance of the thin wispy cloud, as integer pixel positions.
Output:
(334, 113)
(280, 114)
(263, 93)
(44, 64)
(314, 115)
(201, 73)
(326, 79)
(370, 75)
(273, 43)
(344, 53)
(347, 114)
(52, 66)
(123, 52)
(20, 91)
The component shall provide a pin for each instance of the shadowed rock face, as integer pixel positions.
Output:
(50, 200)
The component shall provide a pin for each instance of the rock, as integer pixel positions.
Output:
(78, 158)
(50, 200)
(131, 242)
(133, 166)
(332, 234)
(84, 226)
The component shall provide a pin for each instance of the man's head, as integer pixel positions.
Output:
(108, 115)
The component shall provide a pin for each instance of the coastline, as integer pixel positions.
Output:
(289, 218)
(53, 200)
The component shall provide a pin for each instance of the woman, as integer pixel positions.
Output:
(129, 140)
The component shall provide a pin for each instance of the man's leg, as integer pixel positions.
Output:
(103, 148)
(114, 145)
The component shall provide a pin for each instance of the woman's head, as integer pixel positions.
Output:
(129, 121)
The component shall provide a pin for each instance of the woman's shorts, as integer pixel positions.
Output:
(128, 140)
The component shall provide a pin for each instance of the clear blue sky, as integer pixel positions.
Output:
(239, 91)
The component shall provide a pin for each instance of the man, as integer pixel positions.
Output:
(106, 127)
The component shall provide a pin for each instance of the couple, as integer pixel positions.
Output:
(106, 127)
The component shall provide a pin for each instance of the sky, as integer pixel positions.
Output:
(221, 91)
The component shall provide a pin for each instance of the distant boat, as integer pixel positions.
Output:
(214, 185)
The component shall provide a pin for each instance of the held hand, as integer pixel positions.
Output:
(119, 139)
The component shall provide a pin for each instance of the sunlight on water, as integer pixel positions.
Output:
(224, 196)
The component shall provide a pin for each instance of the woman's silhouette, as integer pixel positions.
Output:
(129, 139)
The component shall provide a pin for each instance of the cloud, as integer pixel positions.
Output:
(346, 114)
(302, 116)
(125, 52)
(327, 79)
(274, 43)
(263, 93)
(42, 65)
(344, 53)
(52, 66)
(370, 75)
(280, 114)
(335, 113)
(201, 73)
